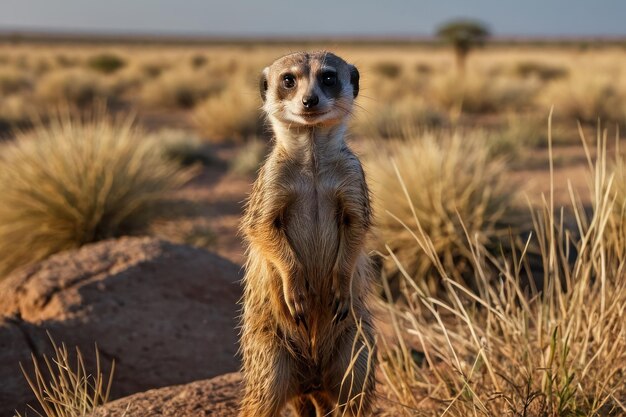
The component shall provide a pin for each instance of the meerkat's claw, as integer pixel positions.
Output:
(297, 304)
(341, 309)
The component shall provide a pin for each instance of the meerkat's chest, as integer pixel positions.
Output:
(310, 220)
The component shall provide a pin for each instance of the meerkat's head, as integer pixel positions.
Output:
(309, 89)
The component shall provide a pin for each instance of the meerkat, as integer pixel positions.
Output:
(307, 334)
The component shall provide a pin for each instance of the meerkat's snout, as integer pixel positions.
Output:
(309, 89)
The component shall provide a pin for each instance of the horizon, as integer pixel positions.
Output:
(278, 18)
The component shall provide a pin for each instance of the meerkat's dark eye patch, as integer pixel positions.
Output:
(329, 78)
(289, 81)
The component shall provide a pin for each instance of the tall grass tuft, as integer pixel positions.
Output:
(76, 86)
(445, 177)
(63, 389)
(232, 116)
(75, 181)
(511, 347)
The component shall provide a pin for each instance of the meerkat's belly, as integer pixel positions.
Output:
(311, 226)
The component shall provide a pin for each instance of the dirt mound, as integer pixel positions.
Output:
(217, 397)
(166, 313)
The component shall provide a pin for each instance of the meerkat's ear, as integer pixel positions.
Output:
(354, 80)
(263, 83)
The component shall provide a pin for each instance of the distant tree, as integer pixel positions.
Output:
(464, 35)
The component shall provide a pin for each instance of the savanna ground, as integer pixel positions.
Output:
(503, 303)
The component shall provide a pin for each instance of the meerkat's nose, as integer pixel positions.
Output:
(310, 101)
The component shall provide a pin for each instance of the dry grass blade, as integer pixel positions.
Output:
(63, 390)
(506, 348)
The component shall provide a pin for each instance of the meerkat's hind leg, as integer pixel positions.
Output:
(268, 381)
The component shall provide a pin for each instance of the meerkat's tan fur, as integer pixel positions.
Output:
(307, 334)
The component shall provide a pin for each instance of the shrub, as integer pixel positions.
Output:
(231, 116)
(73, 86)
(199, 61)
(106, 63)
(13, 81)
(395, 119)
(587, 99)
(388, 69)
(445, 177)
(545, 72)
(183, 147)
(482, 94)
(74, 182)
(63, 61)
(423, 68)
(15, 109)
(180, 88)
(152, 69)
(510, 348)
(522, 133)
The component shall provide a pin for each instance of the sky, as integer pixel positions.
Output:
(533, 18)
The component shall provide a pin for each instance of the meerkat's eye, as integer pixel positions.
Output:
(289, 81)
(329, 78)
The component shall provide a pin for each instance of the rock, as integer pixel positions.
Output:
(217, 397)
(165, 313)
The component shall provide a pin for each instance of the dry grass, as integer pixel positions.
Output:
(510, 348)
(16, 109)
(232, 116)
(588, 99)
(183, 147)
(13, 81)
(543, 71)
(180, 88)
(446, 177)
(77, 181)
(483, 94)
(76, 86)
(63, 389)
(393, 120)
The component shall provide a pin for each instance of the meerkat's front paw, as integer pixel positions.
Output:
(296, 298)
(341, 298)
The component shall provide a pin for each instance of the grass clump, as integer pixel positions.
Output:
(13, 81)
(447, 178)
(483, 94)
(388, 69)
(393, 119)
(65, 389)
(106, 63)
(199, 61)
(75, 86)
(588, 99)
(184, 147)
(540, 70)
(180, 88)
(74, 182)
(513, 347)
(232, 116)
